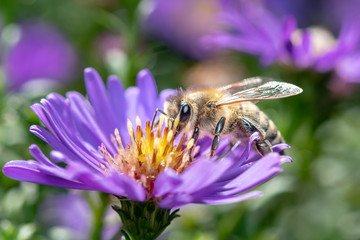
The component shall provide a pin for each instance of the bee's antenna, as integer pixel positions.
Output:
(180, 91)
(155, 113)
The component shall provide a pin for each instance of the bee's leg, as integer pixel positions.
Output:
(155, 113)
(262, 145)
(195, 136)
(218, 129)
(233, 145)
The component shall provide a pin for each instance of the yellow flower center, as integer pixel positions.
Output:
(149, 152)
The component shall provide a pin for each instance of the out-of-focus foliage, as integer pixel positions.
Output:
(316, 197)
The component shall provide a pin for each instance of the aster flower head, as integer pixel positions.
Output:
(41, 52)
(250, 28)
(102, 151)
(107, 145)
(257, 31)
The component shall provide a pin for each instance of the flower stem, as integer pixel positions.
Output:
(143, 220)
(98, 213)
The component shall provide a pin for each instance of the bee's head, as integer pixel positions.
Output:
(177, 107)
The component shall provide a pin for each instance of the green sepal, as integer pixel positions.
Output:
(143, 220)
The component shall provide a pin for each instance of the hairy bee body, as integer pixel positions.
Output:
(248, 118)
(241, 120)
(228, 111)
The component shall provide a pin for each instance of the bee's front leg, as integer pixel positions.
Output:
(154, 117)
(195, 136)
(216, 140)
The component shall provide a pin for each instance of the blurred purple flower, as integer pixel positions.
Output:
(72, 212)
(251, 29)
(107, 42)
(337, 11)
(82, 135)
(255, 30)
(181, 23)
(41, 53)
(302, 10)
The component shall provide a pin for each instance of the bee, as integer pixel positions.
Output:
(229, 110)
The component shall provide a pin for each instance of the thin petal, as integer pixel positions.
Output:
(84, 120)
(67, 137)
(51, 140)
(39, 110)
(166, 182)
(119, 103)
(233, 199)
(100, 100)
(261, 171)
(27, 171)
(117, 98)
(164, 95)
(37, 154)
(148, 90)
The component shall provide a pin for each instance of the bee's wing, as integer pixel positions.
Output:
(268, 91)
(244, 84)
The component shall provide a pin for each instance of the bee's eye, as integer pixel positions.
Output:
(184, 113)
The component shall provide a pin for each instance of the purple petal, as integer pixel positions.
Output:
(51, 140)
(233, 199)
(148, 91)
(164, 95)
(119, 102)
(39, 110)
(37, 154)
(176, 191)
(133, 106)
(166, 182)
(280, 147)
(67, 137)
(84, 121)
(100, 101)
(261, 171)
(117, 97)
(134, 190)
(27, 171)
(349, 68)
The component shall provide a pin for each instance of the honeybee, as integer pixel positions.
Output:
(230, 110)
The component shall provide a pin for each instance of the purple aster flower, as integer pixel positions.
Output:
(303, 10)
(251, 29)
(181, 23)
(316, 48)
(73, 213)
(103, 152)
(41, 53)
(257, 31)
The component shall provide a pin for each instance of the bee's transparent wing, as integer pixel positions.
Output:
(244, 84)
(267, 91)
